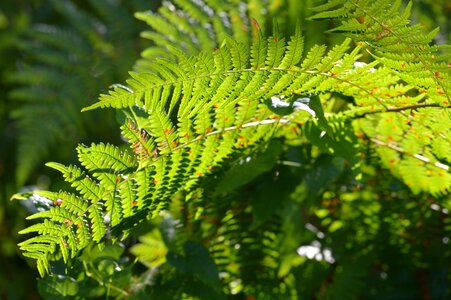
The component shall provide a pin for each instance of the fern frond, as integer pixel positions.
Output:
(194, 110)
(201, 83)
(211, 105)
(410, 146)
(79, 180)
(252, 258)
(404, 48)
(403, 141)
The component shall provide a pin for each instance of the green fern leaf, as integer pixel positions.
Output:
(294, 50)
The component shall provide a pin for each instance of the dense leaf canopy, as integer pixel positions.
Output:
(257, 161)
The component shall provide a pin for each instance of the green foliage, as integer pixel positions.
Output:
(61, 68)
(30, 41)
(426, 77)
(244, 145)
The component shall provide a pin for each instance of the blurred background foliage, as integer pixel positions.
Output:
(56, 56)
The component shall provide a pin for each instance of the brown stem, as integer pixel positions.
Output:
(398, 109)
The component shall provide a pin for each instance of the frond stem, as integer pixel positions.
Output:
(414, 155)
(397, 109)
(231, 128)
